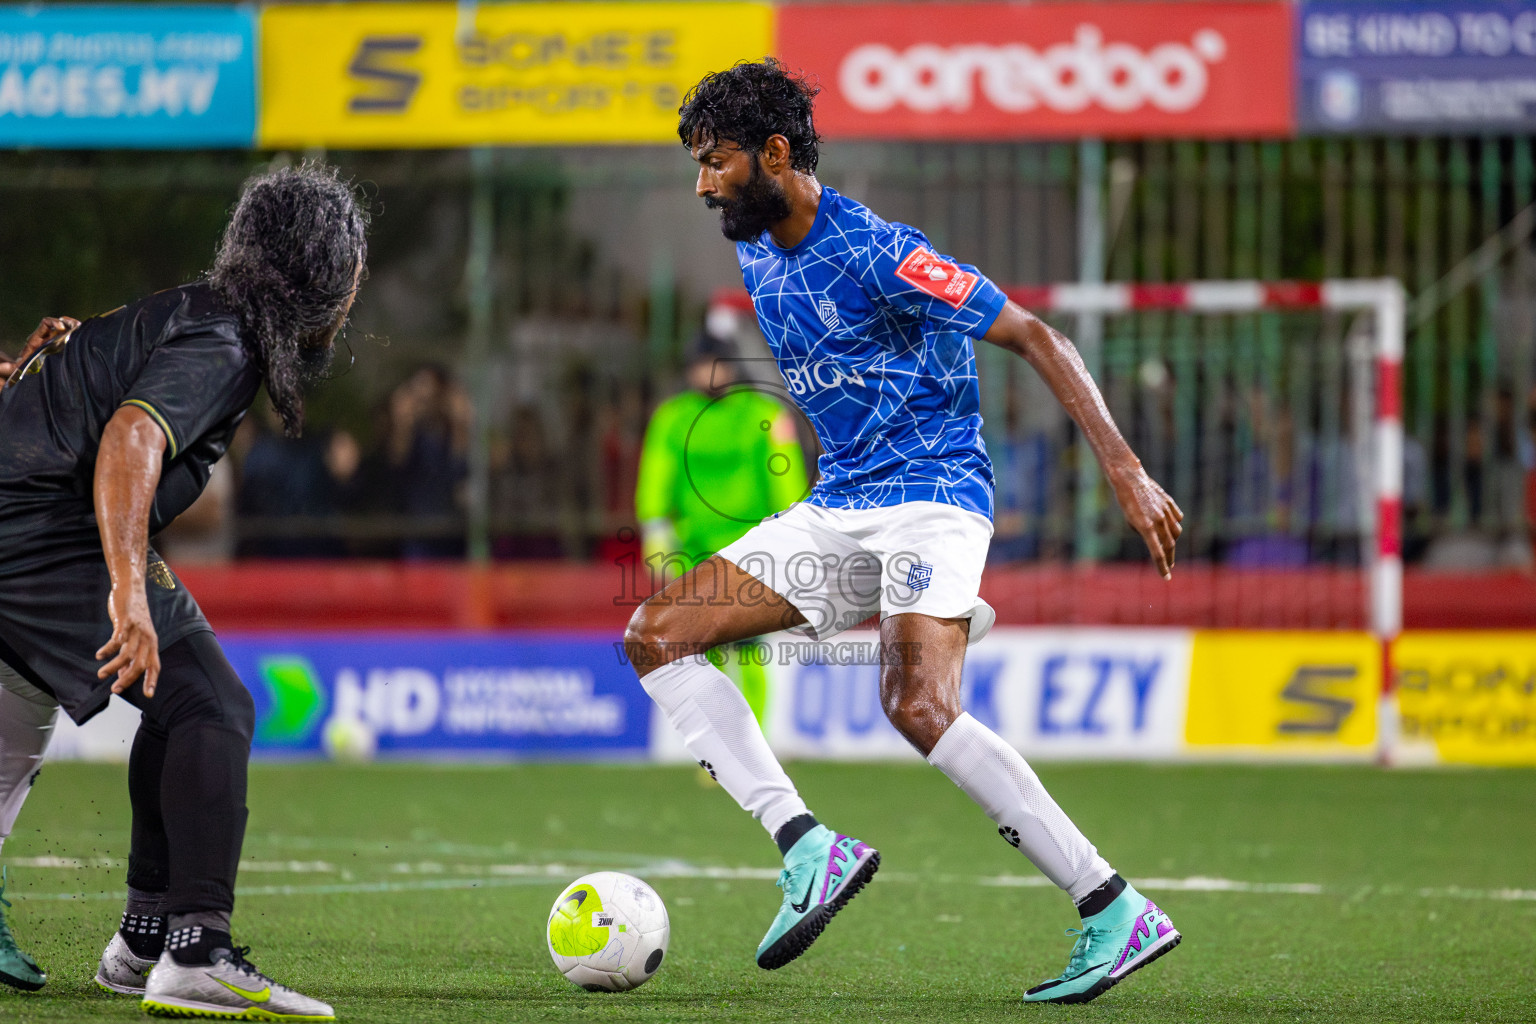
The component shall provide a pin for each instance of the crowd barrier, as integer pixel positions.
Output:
(561, 596)
(1055, 693)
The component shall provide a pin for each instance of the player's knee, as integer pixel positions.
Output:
(661, 632)
(645, 638)
(916, 708)
(919, 724)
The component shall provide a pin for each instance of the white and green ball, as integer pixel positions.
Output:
(608, 932)
(349, 739)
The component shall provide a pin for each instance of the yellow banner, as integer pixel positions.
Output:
(390, 75)
(1279, 693)
(1471, 695)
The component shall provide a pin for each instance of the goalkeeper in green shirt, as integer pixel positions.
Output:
(718, 459)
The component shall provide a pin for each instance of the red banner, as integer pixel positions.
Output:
(994, 71)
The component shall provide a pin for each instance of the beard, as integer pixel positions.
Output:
(760, 204)
(313, 360)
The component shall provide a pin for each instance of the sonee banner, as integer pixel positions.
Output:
(438, 74)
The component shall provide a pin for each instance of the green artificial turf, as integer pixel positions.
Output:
(412, 894)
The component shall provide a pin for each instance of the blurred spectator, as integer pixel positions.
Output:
(622, 421)
(1416, 522)
(1528, 462)
(1022, 464)
(1505, 502)
(1259, 494)
(426, 443)
(282, 478)
(526, 495)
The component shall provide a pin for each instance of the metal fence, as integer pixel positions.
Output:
(558, 287)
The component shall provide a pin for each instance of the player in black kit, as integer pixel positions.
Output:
(107, 433)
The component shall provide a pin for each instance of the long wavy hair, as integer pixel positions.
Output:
(291, 256)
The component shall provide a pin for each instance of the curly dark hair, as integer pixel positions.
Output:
(749, 103)
(289, 261)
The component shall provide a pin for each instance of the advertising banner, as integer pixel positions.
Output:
(1401, 66)
(1278, 694)
(1470, 697)
(1054, 693)
(440, 74)
(436, 695)
(1004, 71)
(140, 76)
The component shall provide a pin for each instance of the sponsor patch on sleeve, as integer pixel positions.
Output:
(925, 271)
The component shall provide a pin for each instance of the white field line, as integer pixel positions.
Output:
(433, 875)
(297, 867)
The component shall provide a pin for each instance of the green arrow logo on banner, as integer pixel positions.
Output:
(298, 702)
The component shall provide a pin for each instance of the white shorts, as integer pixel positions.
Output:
(839, 566)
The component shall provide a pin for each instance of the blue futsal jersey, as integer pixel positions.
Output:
(872, 331)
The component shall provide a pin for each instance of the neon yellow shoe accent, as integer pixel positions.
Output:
(156, 1009)
(256, 997)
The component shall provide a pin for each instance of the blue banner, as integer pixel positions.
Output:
(442, 695)
(1402, 67)
(140, 77)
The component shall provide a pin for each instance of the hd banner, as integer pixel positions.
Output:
(442, 695)
(140, 76)
(1404, 67)
(439, 74)
(1005, 71)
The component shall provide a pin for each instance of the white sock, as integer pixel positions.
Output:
(1001, 782)
(26, 725)
(721, 733)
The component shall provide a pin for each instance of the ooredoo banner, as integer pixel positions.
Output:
(998, 71)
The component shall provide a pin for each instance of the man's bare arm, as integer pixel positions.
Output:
(1147, 507)
(127, 473)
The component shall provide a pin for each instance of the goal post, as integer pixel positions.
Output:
(1384, 299)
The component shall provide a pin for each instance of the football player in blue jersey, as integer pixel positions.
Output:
(874, 333)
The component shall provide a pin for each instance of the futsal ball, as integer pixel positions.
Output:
(608, 932)
(349, 739)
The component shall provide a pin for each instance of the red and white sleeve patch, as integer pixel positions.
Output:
(925, 271)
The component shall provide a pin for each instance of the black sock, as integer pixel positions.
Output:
(194, 946)
(1101, 897)
(790, 832)
(145, 935)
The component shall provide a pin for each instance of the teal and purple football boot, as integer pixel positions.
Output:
(1123, 937)
(822, 872)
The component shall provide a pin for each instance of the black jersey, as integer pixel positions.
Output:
(178, 356)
